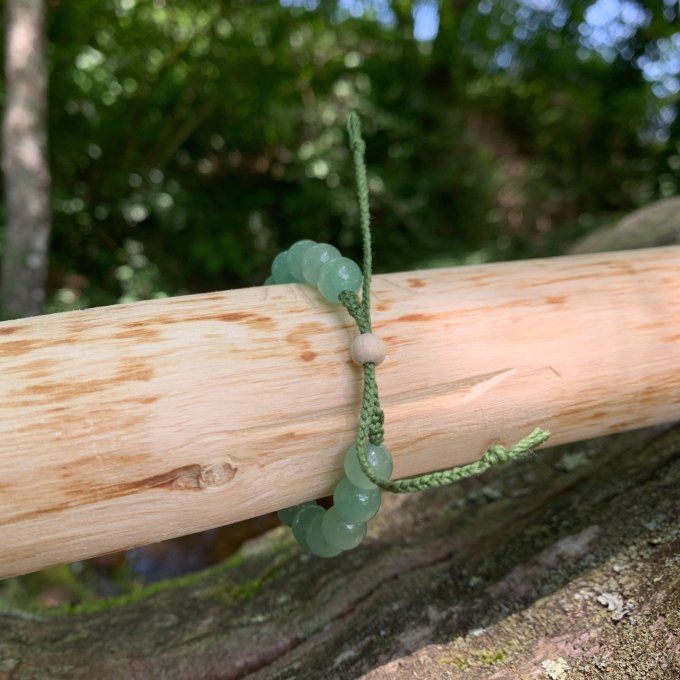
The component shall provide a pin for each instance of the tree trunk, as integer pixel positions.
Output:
(25, 163)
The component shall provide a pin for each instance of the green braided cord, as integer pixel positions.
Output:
(371, 419)
(496, 455)
(358, 147)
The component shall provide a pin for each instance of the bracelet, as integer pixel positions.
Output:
(367, 464)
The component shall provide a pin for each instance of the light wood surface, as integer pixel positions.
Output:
(125, 425)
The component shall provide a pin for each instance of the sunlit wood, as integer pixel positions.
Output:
(125, 425)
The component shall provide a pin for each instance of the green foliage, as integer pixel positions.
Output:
(190, 141)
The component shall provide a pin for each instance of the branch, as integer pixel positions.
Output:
(136, 423)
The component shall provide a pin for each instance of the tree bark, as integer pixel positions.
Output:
(25, 162)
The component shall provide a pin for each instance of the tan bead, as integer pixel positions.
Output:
(367, 348)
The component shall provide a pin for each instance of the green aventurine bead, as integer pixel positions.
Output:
(379, 461)
(341, 534)
(287, 515)
(301, 521)
(315, 540)
(315, 258)
(296, 254)
(354, 504)
(280, 271)
(336, 276)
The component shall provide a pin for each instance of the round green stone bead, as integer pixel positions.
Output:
(296, 254)
(336, 276)
(287, 515)
(280, 271)
(315, 540)
(379, 461)
(341, 534)
(315, 258)
(354, 504)
(301, 521)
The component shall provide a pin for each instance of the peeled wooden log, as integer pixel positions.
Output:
(126, 425)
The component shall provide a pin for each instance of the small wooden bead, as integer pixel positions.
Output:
(367, 348)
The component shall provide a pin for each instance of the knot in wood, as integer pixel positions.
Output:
(215, 474)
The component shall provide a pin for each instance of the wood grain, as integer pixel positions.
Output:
(124, 425)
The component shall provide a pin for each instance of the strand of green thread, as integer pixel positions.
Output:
(371, 418)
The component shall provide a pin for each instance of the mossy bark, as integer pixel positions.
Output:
(564, 565)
